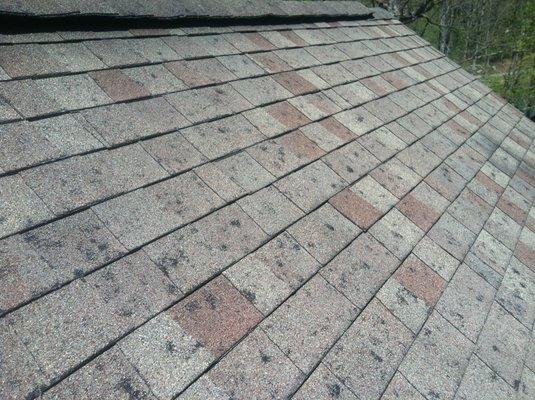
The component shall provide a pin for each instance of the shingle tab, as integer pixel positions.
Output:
(199, 105)
(224, 136)
(25, 144)
(270, 274)
(376, 342)
(125, 122)
(21, 207)
(145, 214)
(90, 178)
(195, 253)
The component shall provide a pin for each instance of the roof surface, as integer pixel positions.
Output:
(312, 210)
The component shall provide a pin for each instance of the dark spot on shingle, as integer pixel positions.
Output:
(434, 395)
(235, 222)
(349, 169)
(34, 394)
(212, 300)
(103, 246)
(329, 227)
(126, 386)
(78, 273)
(249, 295)
(163, 268)
(170, 346)
(265, 358)
(192, 306)
(171, 289)
(223, 247)
(334, 390)
(495, 348)
(126, 312)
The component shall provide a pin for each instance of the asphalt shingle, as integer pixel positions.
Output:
(88, 179)
(349, 272)
(295, 326)
(270, 274)
(369, 353)
(502, 339)
(20, 207)
(437, 359)
(195, 253)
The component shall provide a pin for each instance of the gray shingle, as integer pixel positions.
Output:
(294, 327)
(20, 207)
(502, 340)
(87, 179)
(53, 254)
(19, 372)
(370, 351)
(122, 123)
(349, 271)
(76, 57)
(270, 209)
(235, 176)
(155, 78)
(323, 384)
(261, 90)
(199, 105)
(24, 144)
(167, 372)
(254, 368)
(61, 331)
(311, 185)
(26, 98)
(195, 253)
(480, 381)
(224, 136)
(200, 46)
(145, 214)
(108, 375)
(324, 232)
(436, 361)
(466, 302)
(270, 274)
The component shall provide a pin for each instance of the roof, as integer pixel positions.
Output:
(318, 210)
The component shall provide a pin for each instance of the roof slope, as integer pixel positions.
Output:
(317, 210)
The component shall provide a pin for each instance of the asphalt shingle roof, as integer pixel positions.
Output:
(314, 210)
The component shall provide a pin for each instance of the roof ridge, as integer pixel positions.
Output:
(186, 8)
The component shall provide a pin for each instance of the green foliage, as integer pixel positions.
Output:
(493, 39)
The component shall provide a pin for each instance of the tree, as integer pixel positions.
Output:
(494, 39)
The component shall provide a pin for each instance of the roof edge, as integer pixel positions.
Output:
(268, 12)
(184, 9)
